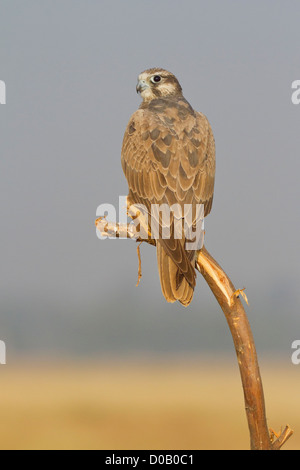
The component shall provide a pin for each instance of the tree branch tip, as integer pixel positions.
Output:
(101, 224)
(238, 293)
(224, 291)
(100, 219)
(280, 439)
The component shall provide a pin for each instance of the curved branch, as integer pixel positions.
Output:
(229, 301)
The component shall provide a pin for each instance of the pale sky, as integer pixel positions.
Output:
(70, 69)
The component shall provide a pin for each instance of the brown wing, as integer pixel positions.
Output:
(168, 156)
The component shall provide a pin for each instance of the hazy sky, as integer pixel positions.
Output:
(70, 68)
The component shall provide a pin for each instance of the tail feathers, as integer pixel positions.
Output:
(174, 286)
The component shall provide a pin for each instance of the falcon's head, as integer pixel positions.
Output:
(157, 83)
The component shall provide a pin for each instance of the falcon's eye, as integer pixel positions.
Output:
(156, 79)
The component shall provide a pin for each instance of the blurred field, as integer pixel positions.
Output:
(182, 403)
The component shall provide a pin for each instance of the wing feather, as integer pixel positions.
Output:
(169, 157)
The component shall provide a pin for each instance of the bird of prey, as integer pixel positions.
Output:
(168, 157)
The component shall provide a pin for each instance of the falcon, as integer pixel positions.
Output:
(168, 157)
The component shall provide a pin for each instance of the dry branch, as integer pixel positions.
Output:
(229, 300)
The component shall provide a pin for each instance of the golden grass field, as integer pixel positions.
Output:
(183, 403)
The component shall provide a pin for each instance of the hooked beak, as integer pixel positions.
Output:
(141, 86)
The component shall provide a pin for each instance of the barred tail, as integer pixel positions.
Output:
(173, 284)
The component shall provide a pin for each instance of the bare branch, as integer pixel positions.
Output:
(285, 435)
(229, 300)
(232, 307)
